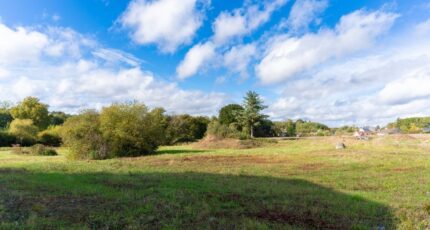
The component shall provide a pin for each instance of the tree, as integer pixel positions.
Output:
(185, 128)
(130, 129)
(82, 135)
(57, 118)
(251, 115)
(24, 131)
(5, 118)
(31, 108)
(228, 114)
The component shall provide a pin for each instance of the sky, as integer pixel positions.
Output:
(358, 62)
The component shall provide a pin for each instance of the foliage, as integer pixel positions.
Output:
(307, 128)
(411, 125)
(218, 130)
(265, 128)
(82, 135)
(251, 115)
(50, 136)
(228, 114)
(185, 128)
(42, 150)
(5, 118)
(130, 130)
(24, 131)
(119, 130)
(284, 128)
(31, 108)
(345, 130)
(6, 139)
(57, 118)
(36, 150)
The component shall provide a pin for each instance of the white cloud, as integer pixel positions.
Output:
(238, 58)
(287, 56)
(87, 75)
(304, 12)
(166, 23)
(372, 88)
(227, 27)
(20, 44)
(239, 22)
(115, 56)
(423, 28)
(196, 57)
(413, 86)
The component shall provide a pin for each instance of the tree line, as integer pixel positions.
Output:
(133, 129)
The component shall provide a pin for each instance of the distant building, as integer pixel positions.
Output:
(363, 133)
(426, 130)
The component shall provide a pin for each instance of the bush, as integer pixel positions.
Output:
(216, 129)
(38, 150)
(130, 130)
(83, 136)
(119, 130)
(42, 150)
(6, 139)
(24, 131)
(50, 137)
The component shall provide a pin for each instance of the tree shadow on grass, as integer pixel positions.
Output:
(179, 200)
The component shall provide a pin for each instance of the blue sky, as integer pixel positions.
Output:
(333, 61)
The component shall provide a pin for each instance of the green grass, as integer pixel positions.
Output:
(304, 184)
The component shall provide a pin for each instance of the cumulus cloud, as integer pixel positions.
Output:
(413, 86)
(89, 77)
(287, 56)
(372, 88)
(237, 58)
(196, 57)
(304, 12)
(227, 27)
(243, 20)
(166, 23)
(20, 44)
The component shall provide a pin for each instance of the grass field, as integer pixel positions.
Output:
(305, 184)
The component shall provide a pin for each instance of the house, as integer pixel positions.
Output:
(363, 133)
(426, 130)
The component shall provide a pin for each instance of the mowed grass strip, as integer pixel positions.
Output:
(304, 184)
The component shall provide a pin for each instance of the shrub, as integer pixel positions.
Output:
(6, 139)
(24, 131)
(38, 149)
(216, 129)
(119, 130)
(130, 129)
(50, 137)
(83, 136)
(185, 128)
(42, 150)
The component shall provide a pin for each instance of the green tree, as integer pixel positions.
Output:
(82, 135)
(185, 128)
(5, 118)
(31, 108)
(57, 118)
(24, 131)
(228, 114)
(251, 115)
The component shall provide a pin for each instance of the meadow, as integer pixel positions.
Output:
(383, 183)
